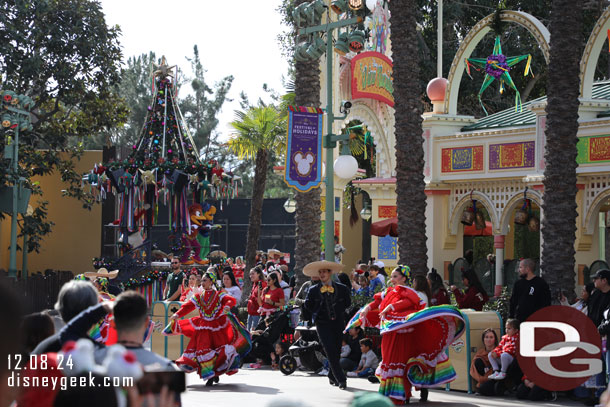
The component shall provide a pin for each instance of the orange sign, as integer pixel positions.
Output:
(372, 77)
(387, 212)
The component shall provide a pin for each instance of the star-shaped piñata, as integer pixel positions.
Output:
(497, 67)
(163, 70)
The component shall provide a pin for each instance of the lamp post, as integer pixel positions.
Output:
(19, 106)
(346, 165)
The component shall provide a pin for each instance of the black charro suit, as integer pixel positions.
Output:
(328, 313)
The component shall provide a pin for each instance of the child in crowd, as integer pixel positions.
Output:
(345, 349)
(502, 356)
(280, 350)
(368, 360)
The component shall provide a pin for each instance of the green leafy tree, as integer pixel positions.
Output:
(260, 131)
(62, 54)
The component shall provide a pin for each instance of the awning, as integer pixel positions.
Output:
(385, 227)
(473, 231)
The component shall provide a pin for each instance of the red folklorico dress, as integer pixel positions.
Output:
(413, 341)
(213, 335)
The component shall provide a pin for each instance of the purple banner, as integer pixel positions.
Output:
(303, 169)
(512, 155)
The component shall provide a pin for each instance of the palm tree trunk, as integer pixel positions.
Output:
(410, 186)
(559, 223)
(256, 213)
(308, 214)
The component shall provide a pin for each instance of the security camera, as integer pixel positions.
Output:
(346, 104)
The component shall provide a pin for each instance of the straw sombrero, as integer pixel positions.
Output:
(312, 269)
(217, 254)
(103, 272)
(274, 252)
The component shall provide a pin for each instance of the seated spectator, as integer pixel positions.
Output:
(280, 349)
(440, 296)
(503, 355)
(480, 368)
(475, 296)
(131, 320)
(73, 298)
(350, 362)
(527, 390)
(581, 303)
(365, 288)
(35, 328)
(368, 360)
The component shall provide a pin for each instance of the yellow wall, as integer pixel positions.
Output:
(351, 237)
(76, 236)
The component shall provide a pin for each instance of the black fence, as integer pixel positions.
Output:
(39, 291)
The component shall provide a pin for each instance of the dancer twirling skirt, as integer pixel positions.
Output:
(218, 340)
(414, 338)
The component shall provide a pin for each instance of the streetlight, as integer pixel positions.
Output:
(346, 165)
(15, 117)
(290, 205)
(366, 212)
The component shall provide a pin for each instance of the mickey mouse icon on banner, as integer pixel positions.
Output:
(304, 162)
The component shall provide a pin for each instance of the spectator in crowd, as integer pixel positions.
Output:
(73, 298)
(339, 250)
(35, 328)
(530, 292)
(527, 390)
(475, 296)
(280, 349)
(131, 319)
(582, 302)
(598, 304)
(368, 360)
(350, 362)
(174, 281)
(420, 284)
(230, 285)
(365, 288)
(271, 298)
(504, 354)
(376, 282)
(438, 291)
(258, 284)
(187, 292)
(480, 368)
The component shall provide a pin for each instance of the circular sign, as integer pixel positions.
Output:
(559, 348)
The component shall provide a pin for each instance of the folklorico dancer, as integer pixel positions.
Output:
(104, 331)
(218, 340)
(413, 338)
(327, 302)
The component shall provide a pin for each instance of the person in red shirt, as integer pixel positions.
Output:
(503, 355)
(258, 284)
(271, 298)
(440, 296)
(475, 296)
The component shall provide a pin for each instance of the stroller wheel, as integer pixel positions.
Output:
(288, 364)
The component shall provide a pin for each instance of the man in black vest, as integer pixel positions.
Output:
(327, 303)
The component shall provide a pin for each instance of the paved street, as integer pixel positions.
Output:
(256, 388)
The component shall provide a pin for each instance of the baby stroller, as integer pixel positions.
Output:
(272, 329)
(308, 349)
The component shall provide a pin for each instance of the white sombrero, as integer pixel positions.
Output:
(313, 269)
(103, 272)
(274, 252)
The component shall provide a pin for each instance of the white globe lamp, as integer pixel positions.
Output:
(346, 166)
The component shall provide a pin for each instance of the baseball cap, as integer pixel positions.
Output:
(379, 264)
(602, 273)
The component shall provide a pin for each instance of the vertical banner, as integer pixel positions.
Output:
(303, 170)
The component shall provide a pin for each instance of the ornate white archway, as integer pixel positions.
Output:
(475, 35)
(515, 202)
(456, 214)
(594, 207)
(385, 153)
(590, 55)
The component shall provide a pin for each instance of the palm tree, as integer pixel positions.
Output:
(559, 223)
(410, 186)
(260, 132)
(308, 215)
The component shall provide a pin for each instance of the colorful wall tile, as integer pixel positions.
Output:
(512, 155)
(387, 211)
(462, 159)
(593, 150)
(386, 248)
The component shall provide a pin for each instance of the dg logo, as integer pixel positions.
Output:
(559, 348)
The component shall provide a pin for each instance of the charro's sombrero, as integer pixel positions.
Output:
(274, 252)
(312, 269)
(103, 272)
(217, 254)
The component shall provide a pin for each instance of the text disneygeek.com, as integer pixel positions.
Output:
(63, 382)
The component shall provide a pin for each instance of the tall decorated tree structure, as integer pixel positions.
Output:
(164, 166)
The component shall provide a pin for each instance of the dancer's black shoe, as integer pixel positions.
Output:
(216, 379)
(373, 379)
(423, 395)
(343, 385)
(332, 382)
(210, 382)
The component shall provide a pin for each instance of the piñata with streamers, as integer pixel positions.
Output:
(497, 66)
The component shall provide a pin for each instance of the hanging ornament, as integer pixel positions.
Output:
(521, 215)
(497, 67)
